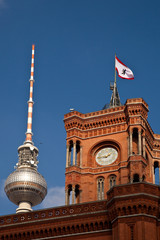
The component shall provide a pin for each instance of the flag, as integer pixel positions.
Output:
(122, 70)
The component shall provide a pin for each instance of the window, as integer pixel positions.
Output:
(71, 153)
(73, 157)
(100, 188)
(156, 172)
(112, 181)
(77, 153)
(136, 178)
(135, 142)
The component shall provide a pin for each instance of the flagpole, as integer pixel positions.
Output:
(115, 69)
(114, 90)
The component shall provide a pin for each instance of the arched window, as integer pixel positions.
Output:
(112, 181)
(69, 200)
(135, 141)
(73, 194)
(136, 178)
(77, 193)
(70, 153)
(77, 153)
(73, 153)
(156, 172)
(100, 188)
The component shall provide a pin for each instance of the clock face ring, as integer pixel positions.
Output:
(106, 156)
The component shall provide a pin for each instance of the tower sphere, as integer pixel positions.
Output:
(26, 185)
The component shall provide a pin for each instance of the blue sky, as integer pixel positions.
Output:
(75, 43)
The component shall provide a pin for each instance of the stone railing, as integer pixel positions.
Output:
(51, 213)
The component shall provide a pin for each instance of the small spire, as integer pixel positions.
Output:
(115, 99)
(30, 102)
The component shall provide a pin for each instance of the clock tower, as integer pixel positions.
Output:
(113, 146)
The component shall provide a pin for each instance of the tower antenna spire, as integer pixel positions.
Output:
(30, 102)
(26, 187)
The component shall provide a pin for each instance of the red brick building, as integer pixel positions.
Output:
(110, 147)
(111, 158)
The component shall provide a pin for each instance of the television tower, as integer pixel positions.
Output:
(26, 187)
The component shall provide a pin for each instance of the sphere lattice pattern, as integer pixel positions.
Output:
(26, 185)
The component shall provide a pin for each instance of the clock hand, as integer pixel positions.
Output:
(105, 156)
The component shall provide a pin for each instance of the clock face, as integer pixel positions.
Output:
(106, 156)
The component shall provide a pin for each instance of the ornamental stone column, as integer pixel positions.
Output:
(74, 154)
(67, 156)
(102, 190)
(98, 190)
(153, 173)
(73, 194)
(128, 146)
(66, 197)
(144, 150)
(139, 143)
(130, 141)
(80, 156)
